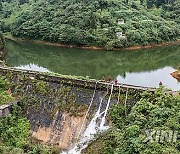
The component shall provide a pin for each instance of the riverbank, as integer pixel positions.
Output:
(10, 37)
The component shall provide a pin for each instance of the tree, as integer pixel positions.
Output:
(154, 111)
(88, 23)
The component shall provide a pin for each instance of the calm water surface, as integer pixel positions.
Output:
(143, 67)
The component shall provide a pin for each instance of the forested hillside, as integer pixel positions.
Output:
(109, 23)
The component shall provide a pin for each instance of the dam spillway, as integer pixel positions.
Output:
(57, 105)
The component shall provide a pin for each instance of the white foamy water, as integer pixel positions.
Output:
(33, 67)
(96, 125)
(102, 125)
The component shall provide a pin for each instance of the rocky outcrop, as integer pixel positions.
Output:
(176, 75)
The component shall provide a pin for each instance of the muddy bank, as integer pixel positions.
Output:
(153, 45)
(91, 47)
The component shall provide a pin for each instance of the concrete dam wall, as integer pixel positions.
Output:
(56, 106)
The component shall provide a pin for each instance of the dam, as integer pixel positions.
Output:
(63, 109)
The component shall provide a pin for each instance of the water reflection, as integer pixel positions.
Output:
(151, 78)
(145, 67)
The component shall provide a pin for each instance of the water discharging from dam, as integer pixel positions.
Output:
(96, 125)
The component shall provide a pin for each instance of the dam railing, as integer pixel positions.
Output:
(90, 83)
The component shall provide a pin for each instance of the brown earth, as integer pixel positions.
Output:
(91, 47)
(64, 139)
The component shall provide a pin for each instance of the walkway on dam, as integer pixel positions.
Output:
(68, 79)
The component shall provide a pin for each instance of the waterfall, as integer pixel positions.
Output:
(119, 95)
(102, 125)
(87, 111)
(93, 127)
(125, 103)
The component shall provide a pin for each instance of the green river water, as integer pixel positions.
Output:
(145, 67)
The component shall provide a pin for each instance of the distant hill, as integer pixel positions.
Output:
(107, 23)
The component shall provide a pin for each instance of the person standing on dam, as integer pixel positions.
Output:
(109, 78)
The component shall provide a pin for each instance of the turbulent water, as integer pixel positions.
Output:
(96, 125)
(102, 125)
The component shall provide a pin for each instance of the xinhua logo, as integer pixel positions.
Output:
(161, 136)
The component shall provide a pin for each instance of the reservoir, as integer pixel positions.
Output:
(146, 67)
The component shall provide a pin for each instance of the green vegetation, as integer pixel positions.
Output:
(15, 131)
(156, 112)
(93, 22)
(65, 99)
(2, 42)
(2, 62)
(15, 136)
(5, 96)
(89, 63)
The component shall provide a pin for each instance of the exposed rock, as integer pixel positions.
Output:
(176, 75)
(63, 131)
